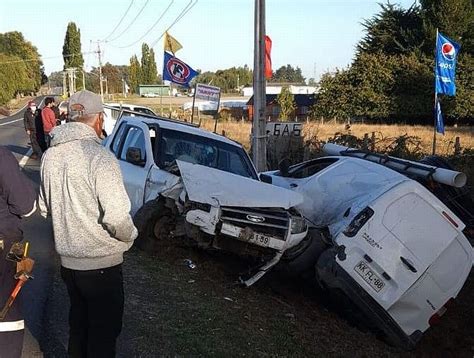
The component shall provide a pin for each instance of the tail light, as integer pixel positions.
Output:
(358, 221)
(436, 318)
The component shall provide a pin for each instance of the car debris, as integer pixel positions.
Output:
(189, 185)
(396, 256)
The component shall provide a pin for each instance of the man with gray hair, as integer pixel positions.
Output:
(83, 191)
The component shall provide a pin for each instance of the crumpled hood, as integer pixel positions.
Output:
(72, 131)
(217, 187)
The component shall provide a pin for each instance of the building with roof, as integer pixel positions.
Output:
(272, 111)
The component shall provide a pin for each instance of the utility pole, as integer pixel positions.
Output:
(259, 135)
(100, 72)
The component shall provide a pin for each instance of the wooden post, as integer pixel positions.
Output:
(457, 146)
(372, 142)
(365, 143)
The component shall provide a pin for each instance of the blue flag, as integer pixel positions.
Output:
(177, 71)
(439, 119)
(445, 67)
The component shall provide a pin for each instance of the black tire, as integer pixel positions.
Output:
(298, 262)
(154, 222)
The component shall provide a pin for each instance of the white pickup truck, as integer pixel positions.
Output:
(397, 253)
(185, 182)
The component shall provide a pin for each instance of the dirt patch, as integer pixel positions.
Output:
(172, 309)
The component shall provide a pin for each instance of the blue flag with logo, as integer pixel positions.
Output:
(177, 71)
(439, 119)
(445, 67)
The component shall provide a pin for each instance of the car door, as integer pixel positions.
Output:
(134, 171)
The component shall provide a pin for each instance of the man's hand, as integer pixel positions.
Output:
(28, 132)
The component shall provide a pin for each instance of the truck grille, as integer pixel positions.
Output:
(273, 222)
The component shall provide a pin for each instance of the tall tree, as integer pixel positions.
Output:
(134, 74)
(14, 75)
(392, 31)
(72, 54)
(153, 71)
(454, 18)
(14, 44)
(287, 104)
(148, 65)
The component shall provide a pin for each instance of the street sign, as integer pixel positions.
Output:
(207, 93)
(284, 129)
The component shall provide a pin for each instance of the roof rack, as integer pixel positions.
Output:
(141, 114)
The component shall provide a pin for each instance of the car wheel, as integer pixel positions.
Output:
(154, 222)
(301, 259)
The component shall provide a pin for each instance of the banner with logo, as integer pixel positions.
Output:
(176, 71)
(445, 67)
(207, 93)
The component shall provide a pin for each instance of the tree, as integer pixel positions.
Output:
(14, 75)
(393, 31)
(288, 74)
(72, 54)
(134, 74)
(148, 66)
(15, 45)
(287, 104)
(453, 18)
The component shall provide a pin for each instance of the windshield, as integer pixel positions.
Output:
(204, 151)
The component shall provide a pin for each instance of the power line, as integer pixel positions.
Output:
(133, 21)
(45, 58)
(151, 28)
(120, 22)
(179, 17)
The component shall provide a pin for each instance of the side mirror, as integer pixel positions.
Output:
(266, 178)
(134, 156)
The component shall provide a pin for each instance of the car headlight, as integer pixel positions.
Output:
(298, 225)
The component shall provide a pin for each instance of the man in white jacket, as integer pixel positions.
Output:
(83, 191)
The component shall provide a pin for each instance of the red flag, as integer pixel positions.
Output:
(268, 57)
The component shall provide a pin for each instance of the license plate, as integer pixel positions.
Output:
(369, 276)
(261, 240)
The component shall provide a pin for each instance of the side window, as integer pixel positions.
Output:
(134, 138)
(118, 138)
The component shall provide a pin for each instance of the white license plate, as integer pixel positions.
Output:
(261, 240)
(369, 276)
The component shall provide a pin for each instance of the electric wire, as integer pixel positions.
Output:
(45, 58)
(120, 22)
(151, 28)
(185, 10)
(130, 25)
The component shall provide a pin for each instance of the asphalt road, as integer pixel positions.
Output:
(36, 295)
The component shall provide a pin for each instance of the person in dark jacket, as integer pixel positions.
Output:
(30, 128)
(17, 200)
(40, 130)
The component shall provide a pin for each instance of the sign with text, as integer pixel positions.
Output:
(207, 93)
(284, 129)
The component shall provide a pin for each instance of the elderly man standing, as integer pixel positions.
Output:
(83, 191)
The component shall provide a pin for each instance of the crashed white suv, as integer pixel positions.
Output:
(185, 182)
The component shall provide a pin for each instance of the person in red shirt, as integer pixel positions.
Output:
(49, 119)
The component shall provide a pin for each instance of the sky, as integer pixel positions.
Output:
(315, 35)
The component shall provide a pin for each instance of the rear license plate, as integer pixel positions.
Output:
(369, 276)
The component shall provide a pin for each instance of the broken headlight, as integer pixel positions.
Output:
(298, 224)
